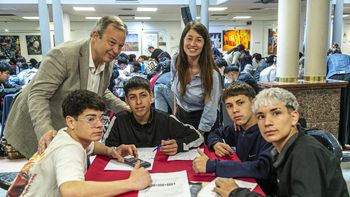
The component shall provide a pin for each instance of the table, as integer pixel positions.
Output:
(96, 171)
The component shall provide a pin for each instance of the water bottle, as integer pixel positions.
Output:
(142, 68)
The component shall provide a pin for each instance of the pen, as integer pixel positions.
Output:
(157, 147)
(232, 147)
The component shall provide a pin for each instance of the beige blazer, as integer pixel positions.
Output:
(37, 108)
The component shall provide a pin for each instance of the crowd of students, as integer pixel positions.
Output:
(15, 73)
(62, 120)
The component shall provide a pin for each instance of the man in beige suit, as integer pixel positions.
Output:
(36, 113)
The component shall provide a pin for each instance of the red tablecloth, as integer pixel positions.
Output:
(96, 171)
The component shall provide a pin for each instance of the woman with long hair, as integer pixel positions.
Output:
(196, 80)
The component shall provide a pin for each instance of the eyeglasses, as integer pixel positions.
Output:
(94, 120)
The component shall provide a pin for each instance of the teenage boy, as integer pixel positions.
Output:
(146, 127)
(5, 86)
(60, 170)
(304, 166)
(243, 134)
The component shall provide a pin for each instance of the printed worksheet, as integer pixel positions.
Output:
(189, 155)
(173, 184)
(146, 154)
(207, 191)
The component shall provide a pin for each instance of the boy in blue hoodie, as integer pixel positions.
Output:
(244, 136)
(304, 166)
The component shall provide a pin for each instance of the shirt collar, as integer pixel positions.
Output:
(278, 158)
(250, 129)
(92, 67)
(134, 122)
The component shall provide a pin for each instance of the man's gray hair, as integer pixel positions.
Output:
(274, 95)
(102, 24)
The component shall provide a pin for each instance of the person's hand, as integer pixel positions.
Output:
(236, 127)
(121, 151)
(45, 140)
(175, 110)
(199, 164)
(169, 147)
(127, 108)
(139, 177)
(225, 186)
(222, 149)
(115, 154)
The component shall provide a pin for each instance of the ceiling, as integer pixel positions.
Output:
(12, 12)
(254, 8)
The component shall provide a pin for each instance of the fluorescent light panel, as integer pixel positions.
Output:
(6, 30)
(141, 9)
(344, 15)
(142, 18)
(217, 8)
(92, 17)
(31, 17)
(84, 8)
(242, 17)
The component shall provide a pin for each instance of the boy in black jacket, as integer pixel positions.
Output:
(304, 166)
(243, 134)
(146, 127)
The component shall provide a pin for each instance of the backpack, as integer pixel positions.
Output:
(326, 139)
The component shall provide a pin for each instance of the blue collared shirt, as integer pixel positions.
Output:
(338, 64)
(193, 100)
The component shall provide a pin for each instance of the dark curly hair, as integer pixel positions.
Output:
(238, 88)
(79, 100)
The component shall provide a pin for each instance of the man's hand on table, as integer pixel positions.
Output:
(222, 149)
(199, 164)
(168, 147)
(139, 177)
(225, 186)
(121, 151)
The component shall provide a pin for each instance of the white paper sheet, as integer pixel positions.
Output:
(207, 191)
(174, 184)
(190, 155)
(145, 154)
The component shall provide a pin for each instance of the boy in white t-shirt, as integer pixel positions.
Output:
(60, 170)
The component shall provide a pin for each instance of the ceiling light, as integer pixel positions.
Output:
(84, 8)
(344, 15)
(142, 18)
(6, 30)
(242, 17)
(31, 17)
(198, 17)
(92, 17)
(140, 9)
(217, 8)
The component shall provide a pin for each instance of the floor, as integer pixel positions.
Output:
(7, 165)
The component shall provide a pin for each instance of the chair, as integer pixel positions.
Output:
(5, 110)
(326, 139)
(9, 150)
